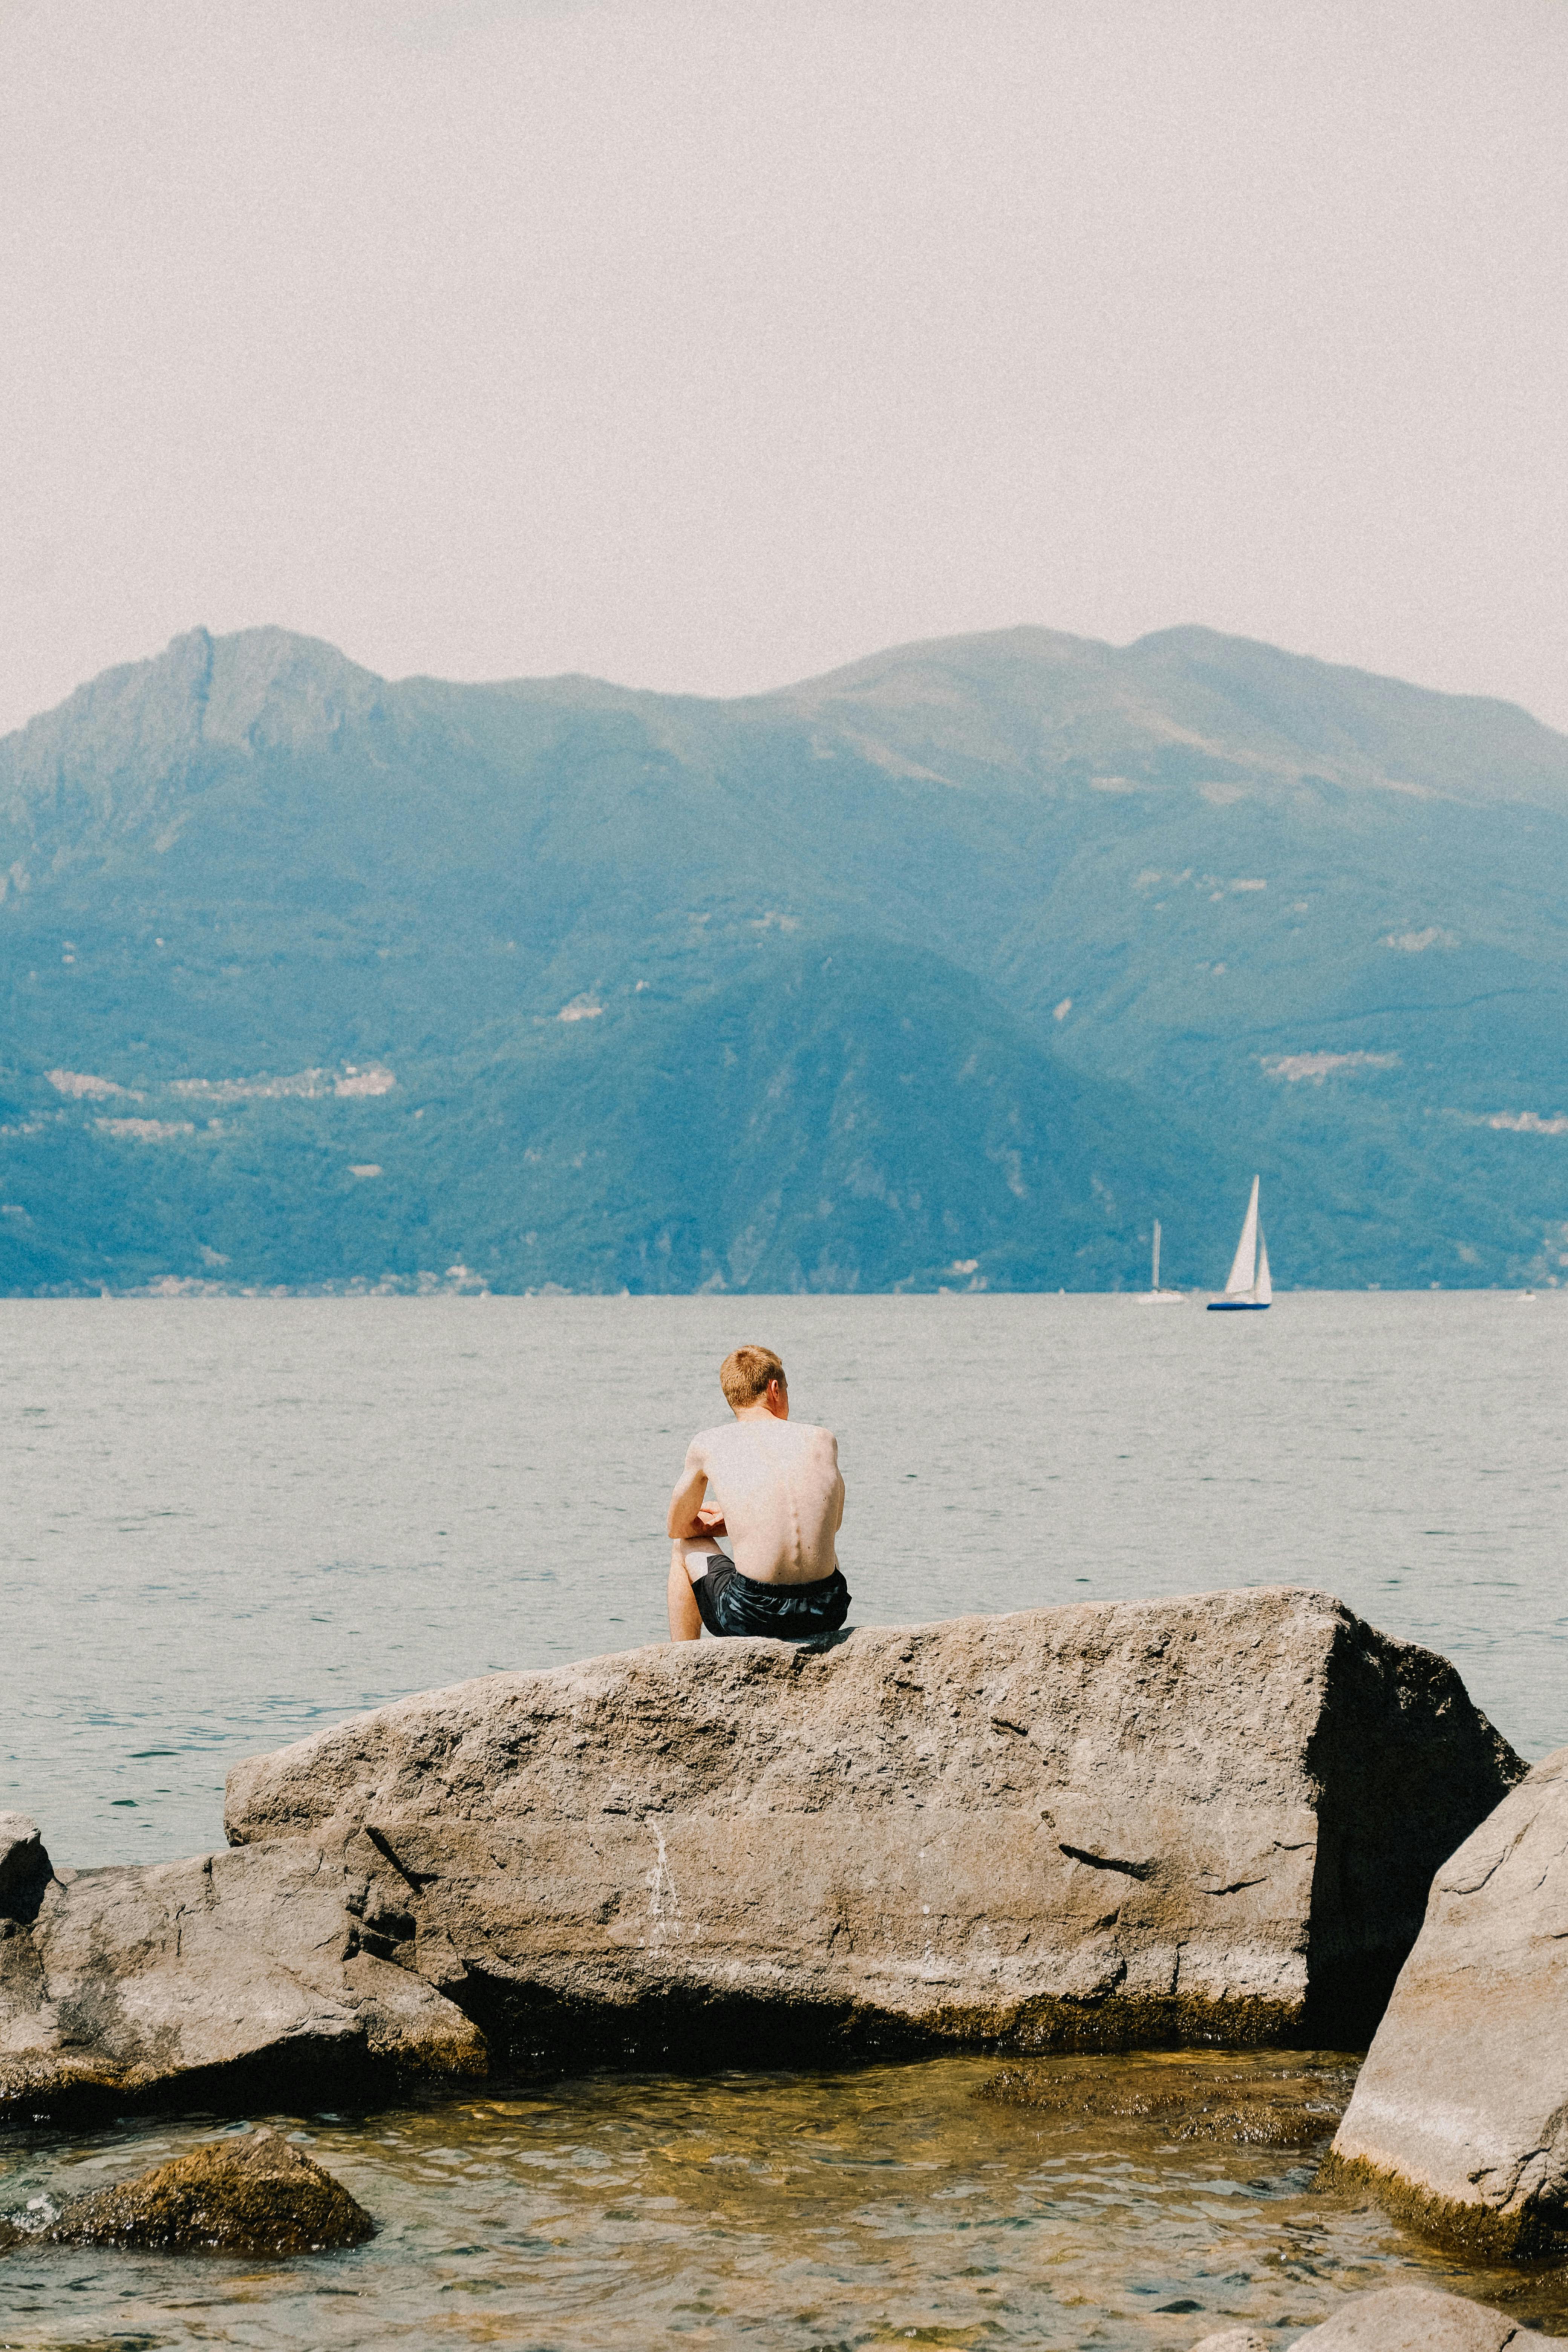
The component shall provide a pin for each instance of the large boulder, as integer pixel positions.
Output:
(1399, 2319)
(255, 2195)
(1166, 1821)
(237, 1976)
(1459, 2118)
(1213, 1818)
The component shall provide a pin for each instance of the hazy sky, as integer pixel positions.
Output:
(708, 346)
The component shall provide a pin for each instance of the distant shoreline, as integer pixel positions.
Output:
(411, 1287)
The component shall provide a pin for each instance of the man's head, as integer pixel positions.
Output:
(753, 1380)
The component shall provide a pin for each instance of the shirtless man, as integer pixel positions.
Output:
(774, 1488)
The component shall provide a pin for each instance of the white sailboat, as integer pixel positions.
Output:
(1248, 1286)
(1154, 1295)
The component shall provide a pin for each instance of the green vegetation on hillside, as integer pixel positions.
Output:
(957, 967)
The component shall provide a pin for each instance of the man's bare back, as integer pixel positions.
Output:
(777, 1484)
(773, 1488)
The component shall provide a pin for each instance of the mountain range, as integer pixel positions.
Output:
(953, 968)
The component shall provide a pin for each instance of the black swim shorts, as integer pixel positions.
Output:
(729, 1602)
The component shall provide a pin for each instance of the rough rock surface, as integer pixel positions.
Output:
(1460, 2115)
(210, 1980)
(259, 2195)
(1399, 2319)
(1092, 1827)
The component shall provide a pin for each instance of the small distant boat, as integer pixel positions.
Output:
(1248, 1286)
(1154, 1295)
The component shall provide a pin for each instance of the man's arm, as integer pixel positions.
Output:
(687, 1500)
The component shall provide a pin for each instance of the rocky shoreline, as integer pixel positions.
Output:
(1212, 1820)
(1240, 1819)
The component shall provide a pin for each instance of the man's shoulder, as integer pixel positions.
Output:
(725, 1433)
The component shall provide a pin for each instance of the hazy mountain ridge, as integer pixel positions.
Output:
(1189, 695)
(1192, 905)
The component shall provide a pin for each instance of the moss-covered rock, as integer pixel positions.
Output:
(259, 2195)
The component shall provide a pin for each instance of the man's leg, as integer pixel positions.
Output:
(685, 1617)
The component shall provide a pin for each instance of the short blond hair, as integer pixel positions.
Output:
(745, 1373)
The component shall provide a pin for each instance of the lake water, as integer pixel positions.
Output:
(227, 1521)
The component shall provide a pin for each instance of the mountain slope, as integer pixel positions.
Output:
(1184, 704)
(650, 980)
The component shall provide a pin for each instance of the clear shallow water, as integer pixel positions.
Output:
(225, 1521)
(222, 1522)
(799, 2213)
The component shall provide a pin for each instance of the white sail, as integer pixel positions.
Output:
(1244, 1266)
(1155, 1282)
(1262, 1289)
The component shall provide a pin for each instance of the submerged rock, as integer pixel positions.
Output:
(1399, 2319)
(1460, 2119)
(259, 2195)
(1162, 1821)
(1280, 2107)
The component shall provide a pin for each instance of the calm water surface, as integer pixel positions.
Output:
(223, 1522)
